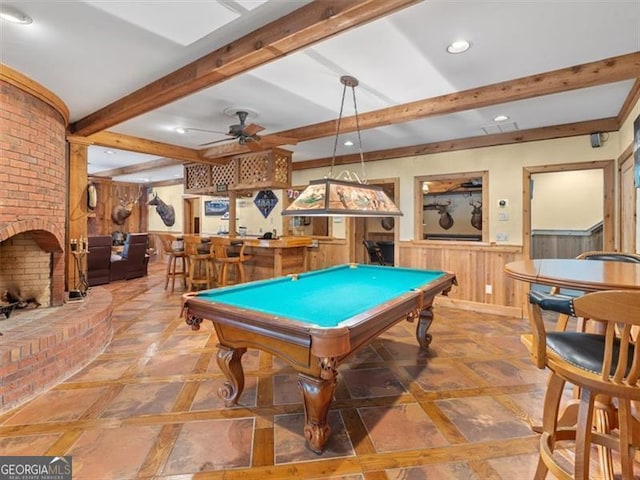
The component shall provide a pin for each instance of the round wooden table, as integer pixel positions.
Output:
(584, 275)
(587, 276)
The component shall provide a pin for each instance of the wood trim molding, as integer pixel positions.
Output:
(531, 135)
(312, 23)
(25, 84)
(626, 153)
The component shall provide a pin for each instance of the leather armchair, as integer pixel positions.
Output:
(98, 259)
(134, 259)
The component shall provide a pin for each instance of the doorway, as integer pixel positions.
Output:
(191, 216)
(561, 216)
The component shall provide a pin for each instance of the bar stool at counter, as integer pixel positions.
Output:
(174, 253)
(201, 270)
(224, 261)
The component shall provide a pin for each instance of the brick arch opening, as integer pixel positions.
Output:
(33, 260)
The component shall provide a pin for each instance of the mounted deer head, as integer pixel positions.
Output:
(167, 212)
(121, 212)
(446, 220)
(476, 214)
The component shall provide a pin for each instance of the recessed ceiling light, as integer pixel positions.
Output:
(459, 46)
(348, 143)
(13, 15)
(500, 118)
(109, 152)
(181, 130)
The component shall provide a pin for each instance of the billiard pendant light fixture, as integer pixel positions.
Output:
(346, 195)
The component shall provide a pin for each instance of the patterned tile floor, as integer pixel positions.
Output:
(147, 407)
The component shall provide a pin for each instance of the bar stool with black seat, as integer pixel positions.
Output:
(176, 255)
(224, 261)
(604, 256)
(599, 364)
(201, 270)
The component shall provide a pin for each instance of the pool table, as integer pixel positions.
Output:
(314, 321)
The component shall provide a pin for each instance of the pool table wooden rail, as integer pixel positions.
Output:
(247, 328)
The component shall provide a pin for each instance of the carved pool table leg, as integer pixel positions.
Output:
(424, 322)
(317, 394)
(229, 361)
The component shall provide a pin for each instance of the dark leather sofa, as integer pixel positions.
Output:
(133, 260)
(99, 260)
(104, 267)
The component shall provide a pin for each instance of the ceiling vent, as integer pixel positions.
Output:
(500, 128)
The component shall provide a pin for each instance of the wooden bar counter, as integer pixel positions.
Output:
(274, 258)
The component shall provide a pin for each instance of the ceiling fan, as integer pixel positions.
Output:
(247, 134)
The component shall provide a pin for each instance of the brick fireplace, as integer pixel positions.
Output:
(41, 347)
(33, 194)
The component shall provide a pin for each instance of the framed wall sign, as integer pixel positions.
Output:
(266, 201)
(216, 207)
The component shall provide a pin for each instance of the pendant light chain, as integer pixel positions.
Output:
(355, 108)
(346, 194)
(335, 143)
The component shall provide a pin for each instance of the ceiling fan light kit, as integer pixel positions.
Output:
(346, 194)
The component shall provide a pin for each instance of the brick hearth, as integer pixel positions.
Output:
(42, 347)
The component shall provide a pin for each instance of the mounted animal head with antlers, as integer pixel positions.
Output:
(121, 212)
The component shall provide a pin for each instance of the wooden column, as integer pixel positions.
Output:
(77, 209)
(232, 214)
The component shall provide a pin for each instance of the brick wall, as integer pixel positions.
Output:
(33, 176)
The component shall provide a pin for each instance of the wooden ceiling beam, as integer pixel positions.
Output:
(630, 102)
(310, 24)
(531, 135)
(138, 167)
(142, 145)
(615, 69)
(610, 70)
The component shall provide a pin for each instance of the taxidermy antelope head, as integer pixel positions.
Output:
(167, 212)
(122, 211)
(476, 214)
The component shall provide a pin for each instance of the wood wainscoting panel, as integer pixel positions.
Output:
(476, 266)
(327, 253)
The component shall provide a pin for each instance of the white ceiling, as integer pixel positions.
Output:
(91, 53)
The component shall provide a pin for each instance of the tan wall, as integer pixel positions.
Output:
(171, 195)
(567, 200)
(504, 164)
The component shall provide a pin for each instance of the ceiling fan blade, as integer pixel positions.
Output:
(193, 129)
(252, 129)
(216, 141)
